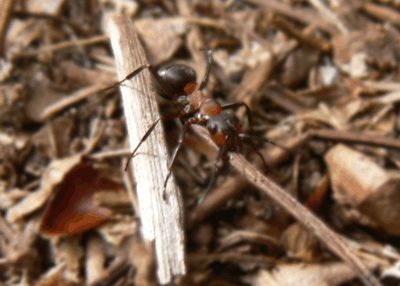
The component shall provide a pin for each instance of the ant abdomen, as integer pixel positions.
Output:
(177, 79)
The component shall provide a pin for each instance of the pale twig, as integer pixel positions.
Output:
(160, 209)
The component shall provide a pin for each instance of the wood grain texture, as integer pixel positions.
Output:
(160, 212)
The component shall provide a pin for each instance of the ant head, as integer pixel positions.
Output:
(180, 79)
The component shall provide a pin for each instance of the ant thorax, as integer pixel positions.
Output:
(196, 99)
(201, 102)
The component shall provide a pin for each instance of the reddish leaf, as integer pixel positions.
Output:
(73, 210)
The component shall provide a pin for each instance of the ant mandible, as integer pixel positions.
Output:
(177, 82)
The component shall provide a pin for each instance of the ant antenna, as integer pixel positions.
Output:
(208, 69)
(129, 76)
(251, 137)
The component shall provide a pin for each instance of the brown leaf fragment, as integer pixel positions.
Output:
(73, 209)
(161, 37)
(359, 182)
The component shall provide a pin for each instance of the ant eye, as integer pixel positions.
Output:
(177, 77)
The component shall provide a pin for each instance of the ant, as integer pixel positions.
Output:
(177, 82)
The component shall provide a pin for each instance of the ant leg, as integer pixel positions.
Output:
(208, 69)
(213, 178)
(248, 111)
(129, 76)
(176, 151)
(148, 132)
(245, 136)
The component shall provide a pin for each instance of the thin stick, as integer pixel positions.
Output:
(331, 239)
(6, 7)
(236, 184)
(73, 99)
(62, 46)
(305, 39)
(355, 137)
(327, 14)
(382, 13)
(301, 15)
(160, 210)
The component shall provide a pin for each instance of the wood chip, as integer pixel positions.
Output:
(359, 182)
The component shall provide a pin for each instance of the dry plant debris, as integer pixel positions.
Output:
(321, 79)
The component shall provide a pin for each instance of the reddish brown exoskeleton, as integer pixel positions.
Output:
(177, 82)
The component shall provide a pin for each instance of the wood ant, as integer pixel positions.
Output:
(177, 82)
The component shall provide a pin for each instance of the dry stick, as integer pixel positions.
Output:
(303, 15)
(73, 99)
(75, 26)
(235, 185)
(305, 39)
(117, 268)
(329, 16)
(62, 46)
(201, 258)
(381, 85)
(332, 240)
(354, 137)
(6, 7)
(382, 13)
(160, 210)
(102, 155)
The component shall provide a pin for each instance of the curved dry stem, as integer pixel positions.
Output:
(331, 239)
